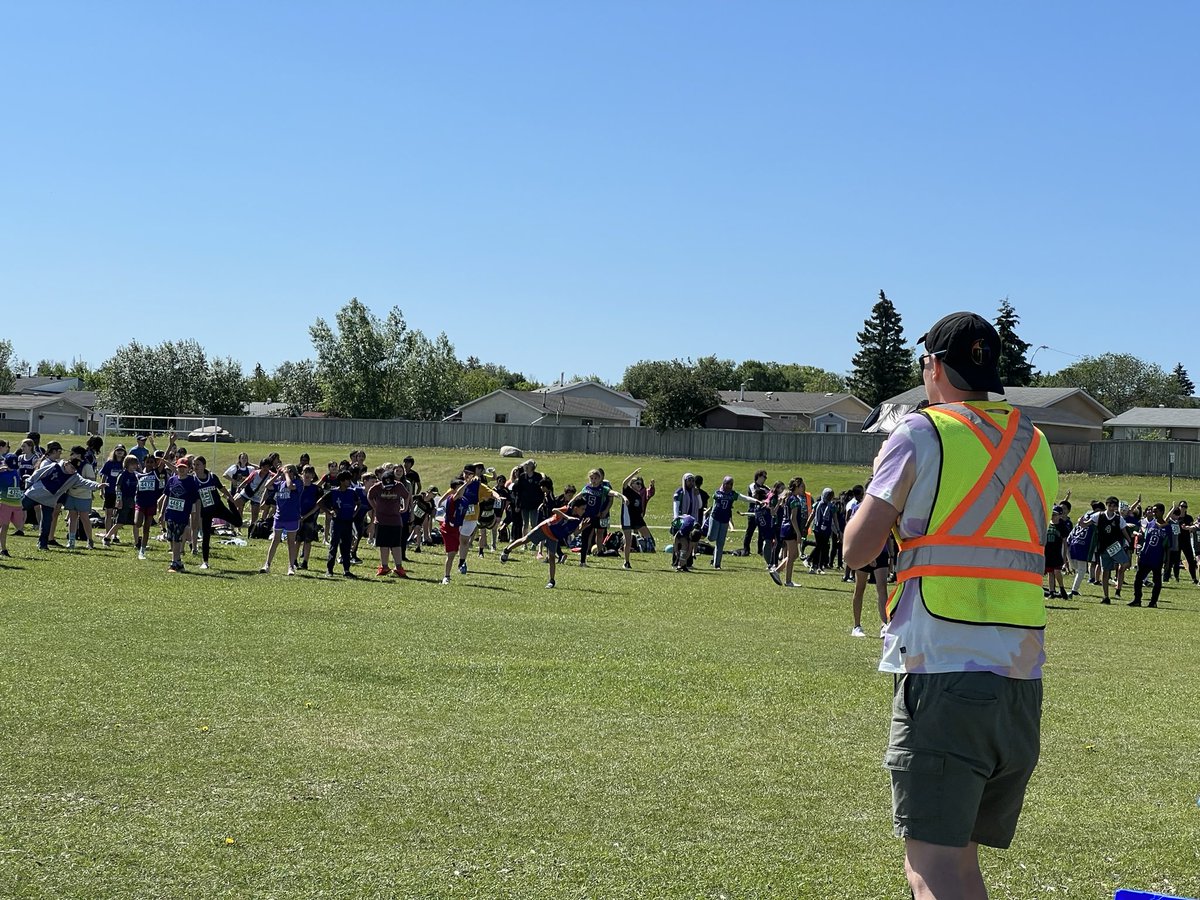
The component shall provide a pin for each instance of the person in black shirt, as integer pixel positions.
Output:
(1187, 528)
(1112, 543)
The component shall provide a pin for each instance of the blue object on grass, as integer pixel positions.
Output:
(1147, 895)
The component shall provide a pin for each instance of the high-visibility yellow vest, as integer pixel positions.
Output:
(982, 560)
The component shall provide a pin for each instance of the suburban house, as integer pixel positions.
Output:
(594, 390)
(508, 407)
(47, 414)
(1165, 423)
(787, 411)
(69, 389)
(1065, 415)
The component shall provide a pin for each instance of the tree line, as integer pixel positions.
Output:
(364, 366)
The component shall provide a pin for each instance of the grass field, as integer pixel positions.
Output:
(629, 734)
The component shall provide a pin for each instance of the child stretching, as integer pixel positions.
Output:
(310, 508)
(452, 518)
(287, 518)
(687, 534)
(553, 532)
(177, 509)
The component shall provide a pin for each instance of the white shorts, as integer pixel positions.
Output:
(466, 529)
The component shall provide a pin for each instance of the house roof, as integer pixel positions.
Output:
(46, 384)
(739, 409)
(86, 399)
(1040, 415)
(33, 401)
(788, 402)
(1157, 417)
(1052, 415)
(575, 385)
(257, 408)
(570, 406)
(1024, 397)
(556, 404)
(33, 381)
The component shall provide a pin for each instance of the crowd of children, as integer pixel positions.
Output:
(173, 495)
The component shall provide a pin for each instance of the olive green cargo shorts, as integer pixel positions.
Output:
(961, 750)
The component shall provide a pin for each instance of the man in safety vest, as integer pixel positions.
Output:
(966, 485)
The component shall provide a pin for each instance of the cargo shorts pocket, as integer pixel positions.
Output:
(917, 783)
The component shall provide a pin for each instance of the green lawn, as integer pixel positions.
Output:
(629, 734)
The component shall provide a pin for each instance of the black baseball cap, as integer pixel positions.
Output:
(969, 348)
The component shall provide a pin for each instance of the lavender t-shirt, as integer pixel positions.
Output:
(906, 477)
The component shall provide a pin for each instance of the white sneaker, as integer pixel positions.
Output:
(446, 580)
(204, 565)
(291, 570)
(790, 584)
(141, 554)
(71, 544)
(857, 631)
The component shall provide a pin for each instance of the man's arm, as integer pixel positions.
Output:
(868, 531)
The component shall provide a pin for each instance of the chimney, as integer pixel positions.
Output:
(742, 393)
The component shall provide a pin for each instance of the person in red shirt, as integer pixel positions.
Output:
(389, 499)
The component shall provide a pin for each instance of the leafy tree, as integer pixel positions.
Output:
(760, 376)
(8, 372)
(480, 378)
(884, 365)
(1015, 369)
(261, 387)
(577, 377)
(479, 382)
(56, 368)
(644, 377)
(432, 383)
(360, 361)
(1120, 381)
(675, 392)
(773, 376)
(50, 368)
(297, 385)
(167, 380)
(1186, 387)
(225, 391)
(813, 379)
(718, 374)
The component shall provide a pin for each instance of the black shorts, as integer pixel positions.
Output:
(125, 515)
(307, 531)
(879, 562)
(389, 535)
(110, 501)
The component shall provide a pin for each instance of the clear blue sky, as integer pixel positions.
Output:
(641, 180)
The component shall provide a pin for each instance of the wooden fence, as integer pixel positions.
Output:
(1145, 458)
(1097, 457)
(1072, 457)
(690, 443)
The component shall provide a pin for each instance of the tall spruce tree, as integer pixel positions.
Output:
(1186, 387)
(1015, 369)
(884, 365)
